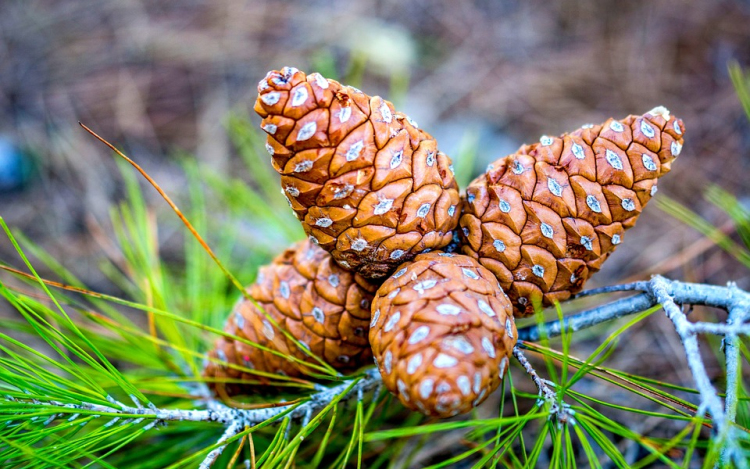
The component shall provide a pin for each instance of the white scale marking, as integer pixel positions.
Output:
(414, 363)
(504, 206)
(448, 309)
(344, 114)
(616, 126)
(502, 366)
(470, 273)
(386, 113)
(485, 308)
(418, 335)
(487, 346)
(359, 244)
(396, 159)
(271, 98)
(593, 204)
(284, 290)
(425, 388)
(646, 129)
(355, 150)
(554, 187)
(383, 206)
(613, 159)
(648, 162)
(547, 231)
(300, 96)
(424, 285)
(578, 151)
(319, 315)
(392, 321)
(424, 209)
(444, 361)
(307, 131)
(375, 317)
(320, 81)
(464, 385)
(333, 279)
(324, 222)
(268, 330)
(459, 343)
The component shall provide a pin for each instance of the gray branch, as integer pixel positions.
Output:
(212, 456)
(220, 413)
(725, 298)
(670, 294)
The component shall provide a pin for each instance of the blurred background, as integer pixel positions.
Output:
(170, 82)
(159, 79)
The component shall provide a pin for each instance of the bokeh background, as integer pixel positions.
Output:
(161, 78)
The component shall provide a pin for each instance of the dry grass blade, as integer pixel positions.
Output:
(174, 207)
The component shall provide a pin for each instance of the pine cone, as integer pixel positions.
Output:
(323, 306)
(544, 219)
(442, 332)
(366, 183)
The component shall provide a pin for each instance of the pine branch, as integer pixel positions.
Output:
(658, 290)
(725, 298)
(669, 294)
(218, 412)
(546, 393)
(211, 458)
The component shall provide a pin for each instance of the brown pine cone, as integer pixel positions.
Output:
(442, 333)
(366, 183)
(544, 219)
(326, 308)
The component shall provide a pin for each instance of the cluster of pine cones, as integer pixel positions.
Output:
(381, 207)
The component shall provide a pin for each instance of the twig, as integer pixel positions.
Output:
(211, 457)
(635, 286)
(220, 413)
(660, 290)
(731, 352)
(683, 293)
(546, 394)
